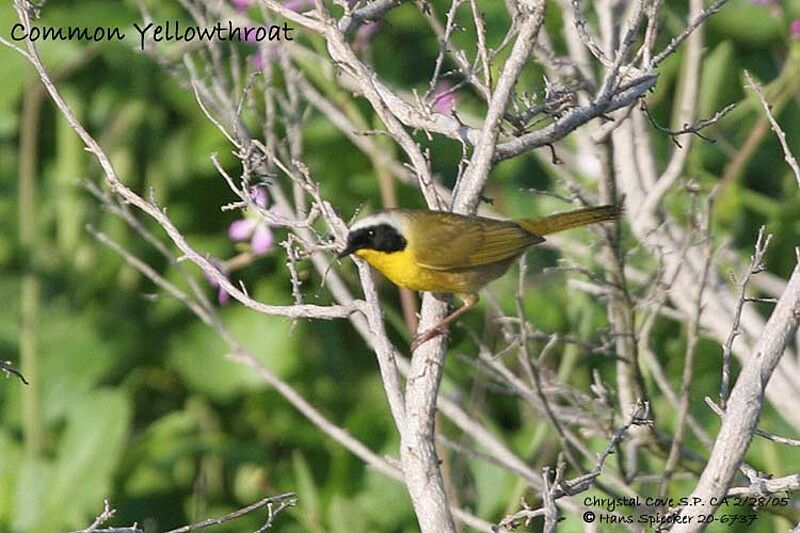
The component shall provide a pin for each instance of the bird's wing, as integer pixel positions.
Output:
(454, 242)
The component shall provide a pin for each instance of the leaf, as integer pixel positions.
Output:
(88, 453)
(747, 24)
(718, 81)
(69, 165)
(199, 355)
(154, 462)
(32, 489)
(384, 502)
(307, 493)
(74, 359)
(492, 485)
(11, 455)
(342, 518)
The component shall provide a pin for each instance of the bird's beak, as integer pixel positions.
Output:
(349, 249)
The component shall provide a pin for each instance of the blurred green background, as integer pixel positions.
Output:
(132, 397)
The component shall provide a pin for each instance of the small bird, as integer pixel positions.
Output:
(437, 251)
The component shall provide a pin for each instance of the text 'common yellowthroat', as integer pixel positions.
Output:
(437, 251)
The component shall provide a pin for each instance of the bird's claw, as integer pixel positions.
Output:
(425, 336)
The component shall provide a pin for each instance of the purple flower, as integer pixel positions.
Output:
(364, 35)
(266, 54)
(241, 5)
(257, 60)
(259, 196)
(249, 35)
(222, 295)
(443, 99)
(794, 29)
(252, 226)
(297, 5)
(259, 234)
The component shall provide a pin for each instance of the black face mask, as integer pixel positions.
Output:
(381, 237)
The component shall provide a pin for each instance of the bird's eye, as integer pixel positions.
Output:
(371, 233)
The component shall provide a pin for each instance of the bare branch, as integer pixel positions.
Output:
(6, 368)
(468, 191)
(371, 12)
(273, 504)
(761, 433)
(768, 486)
(116, 185)
(744, 406)
(676, 42)
(756, 266)
(575, 118)
(787, 153)
(693, 129)
(106, 515)
(590, 42)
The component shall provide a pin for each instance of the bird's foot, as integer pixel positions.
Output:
(425, 336)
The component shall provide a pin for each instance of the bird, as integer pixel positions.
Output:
(444, 252)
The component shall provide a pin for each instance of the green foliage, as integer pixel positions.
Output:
(137, 401)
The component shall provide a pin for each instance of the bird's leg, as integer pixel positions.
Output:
(441, 327)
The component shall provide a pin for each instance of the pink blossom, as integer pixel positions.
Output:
(257, 60)
(794, 29)
(252, 226)
(365, 34)
(241, 5)
(241, 229)
(264, 55)
(262, 239)
(297, 5)
(259, 196)
(222, 295)
(249, 35)
(443, 99)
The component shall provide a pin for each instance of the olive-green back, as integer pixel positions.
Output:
(446, 241)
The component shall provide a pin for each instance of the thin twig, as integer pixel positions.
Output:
(107, 514)
(756, 266)
(692, 338)
(744, 407)
(695, 128)
(761, 433)
(5, 367)
(787, 153)
(282, 501)
(676, 42)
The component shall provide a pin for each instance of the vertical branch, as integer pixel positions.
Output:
(420, 463)
(692, 337)
(620, 308)
(756, 266)
(33, 424)
(685, 114)
(744, 408)
(468, 191)
(418, 450)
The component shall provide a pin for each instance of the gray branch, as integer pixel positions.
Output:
(744, 406)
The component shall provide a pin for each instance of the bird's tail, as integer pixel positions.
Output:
(554, 223)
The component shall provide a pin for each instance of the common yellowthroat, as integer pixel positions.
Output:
(437, 251)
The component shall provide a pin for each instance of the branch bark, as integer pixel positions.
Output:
(744, 407)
